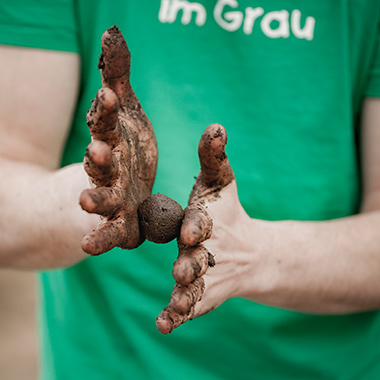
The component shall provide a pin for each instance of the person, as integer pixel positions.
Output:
(295, 286)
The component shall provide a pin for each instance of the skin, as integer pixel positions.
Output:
(121, 161)
(286, 264)
(42, 223)
(194, 259)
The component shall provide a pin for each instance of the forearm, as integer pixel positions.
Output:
(329, 267)
(42, 223)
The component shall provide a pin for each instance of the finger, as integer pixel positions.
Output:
(192, 262)
(100, 164)
(115, 63)
(102, 117)
(196, 225)
(184, 297)
(169, 319)
(215, 168)
(106, 237)
(104, 201)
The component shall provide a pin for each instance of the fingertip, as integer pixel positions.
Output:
(112, 33)
(88, 245)
(191, 235)
(108, 236)
(103, 115)
(196, 226)
(169, 319)
(105, 106)
(184, 297)
(100, 164)
(113, 30)
(115, 58)
(100, 153)
(86, 201)
(107, 100)
(191, 264)
(163, 325)
(180, 300)
(185, 270)
(94, 246)
(215, 168)
(214, 137)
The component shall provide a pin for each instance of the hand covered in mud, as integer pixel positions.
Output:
(121, 160)
(212, 232)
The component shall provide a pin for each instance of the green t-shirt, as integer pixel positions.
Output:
(286, 78)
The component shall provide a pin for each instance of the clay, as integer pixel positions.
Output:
(160, 218)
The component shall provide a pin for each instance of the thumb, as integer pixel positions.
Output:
(216, 172)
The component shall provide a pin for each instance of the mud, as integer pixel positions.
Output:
(196, 226)
(192, 262)
(114, 61)
(160, 218)
(183, 298)
(216, 172)
(123, 155)
(169, 319)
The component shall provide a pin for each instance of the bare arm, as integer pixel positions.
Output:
(333, 267)
(42, 223)
(329, 267)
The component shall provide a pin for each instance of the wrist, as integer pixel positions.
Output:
(260, 267)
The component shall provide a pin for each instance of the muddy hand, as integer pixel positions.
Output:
(121, 160)
(194, 258)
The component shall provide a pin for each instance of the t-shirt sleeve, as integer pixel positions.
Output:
(46, 24)
(373, 86)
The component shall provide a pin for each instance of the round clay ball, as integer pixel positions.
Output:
(160, 218)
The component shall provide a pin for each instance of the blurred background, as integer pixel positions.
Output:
(18, 333)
